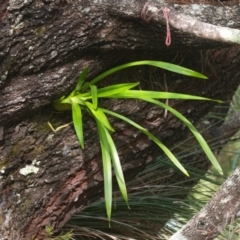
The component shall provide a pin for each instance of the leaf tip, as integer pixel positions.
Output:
(220, 171)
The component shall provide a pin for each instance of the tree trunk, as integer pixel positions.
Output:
(222, 209)
(44, 45)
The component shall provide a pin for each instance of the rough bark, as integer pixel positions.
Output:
(222, 209)
(43, 47)
(42, 42)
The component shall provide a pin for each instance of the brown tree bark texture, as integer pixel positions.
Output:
(216, 215)
(43, 47)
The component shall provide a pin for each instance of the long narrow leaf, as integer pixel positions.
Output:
(81, 79)
(195, 132)
(117, 166)
(155, 94)
(163, 65)
(152, 137)
(80, 82)
(94, 95)
(100, 115)
(107, 169)
(77, 122)
(110, 90)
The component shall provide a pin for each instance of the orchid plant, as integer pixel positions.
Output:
(85, 97)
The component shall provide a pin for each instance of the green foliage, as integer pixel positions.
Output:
(85, 97)
(158, 207)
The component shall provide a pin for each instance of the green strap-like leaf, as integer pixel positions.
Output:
(100, 115)
(77, 122)
(81, 79)
(155, 94)
(107, 168)
(152, 137)
(94, 95)
(110, 90)
(195, 132)
(80, 82)
(117, 166)
(167, 66)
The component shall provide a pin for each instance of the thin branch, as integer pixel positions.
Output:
(193, 26)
